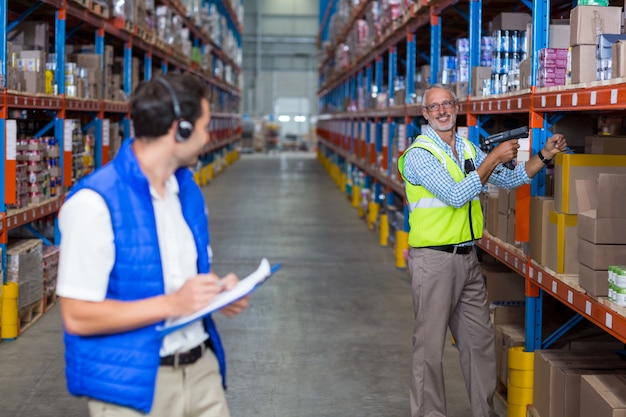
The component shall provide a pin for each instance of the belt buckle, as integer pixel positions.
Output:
(176, 360)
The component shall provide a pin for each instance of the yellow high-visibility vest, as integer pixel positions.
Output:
(433, 222)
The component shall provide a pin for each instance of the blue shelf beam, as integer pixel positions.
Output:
(9, 27)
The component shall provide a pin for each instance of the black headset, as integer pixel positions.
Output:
(185, 127)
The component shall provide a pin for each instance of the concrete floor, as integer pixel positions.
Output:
(328, 335)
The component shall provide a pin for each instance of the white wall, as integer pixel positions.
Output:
(279, 53)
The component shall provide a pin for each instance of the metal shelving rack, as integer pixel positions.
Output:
(346, 136)
(225, 127)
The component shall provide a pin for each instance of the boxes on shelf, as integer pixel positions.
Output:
(563, 243)
(540, 208)
(602, 395)
(605, 145)
(502, 283)
(587, 21)
(24, 266)
(572, 167)
(510, 21)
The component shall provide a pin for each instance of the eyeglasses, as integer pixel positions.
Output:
(447, 104)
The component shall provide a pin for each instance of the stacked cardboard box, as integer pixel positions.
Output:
(24, 266)
(601, 233)
(586, 23)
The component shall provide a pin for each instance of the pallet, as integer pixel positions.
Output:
(49, 301)
(29, 315)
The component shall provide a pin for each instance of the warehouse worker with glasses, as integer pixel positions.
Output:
(444, 175)
(134, 252)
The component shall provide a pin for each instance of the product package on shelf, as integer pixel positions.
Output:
(25, 267)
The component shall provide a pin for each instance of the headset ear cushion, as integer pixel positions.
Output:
(185, 128)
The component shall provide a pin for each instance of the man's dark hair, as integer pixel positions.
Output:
(152, 109)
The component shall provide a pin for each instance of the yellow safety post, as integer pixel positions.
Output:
(356, 196)
(343, 179)
(520, 387)
(196, 177)
(10, 316)
(384, 230)
(402, 244)
(209, 168)
(372, 214)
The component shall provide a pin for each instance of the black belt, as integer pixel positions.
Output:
(459, 250)
(186, 358)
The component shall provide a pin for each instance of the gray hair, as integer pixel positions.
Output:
(439, 85)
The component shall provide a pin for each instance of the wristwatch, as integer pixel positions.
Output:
(543, 159)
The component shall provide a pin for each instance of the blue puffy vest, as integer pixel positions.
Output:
(122, 368)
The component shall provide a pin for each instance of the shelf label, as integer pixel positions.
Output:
(593, 98)
(554, 287)
(508, 104)
(11, 141)
(489, 244)
(575, 99)
(519, 103)
(506, 257)
(614, 96)
(364, 131)
(540, 277)
(570, 297)
(524, 268)
(516, 263)
(558, 100)
(499, 102)
(482, 105)
(531, 273)
(490, 106)
(372, 133)
(609, 320)
(588, 308)
(497, 250)
(543, 101)
(106, 132)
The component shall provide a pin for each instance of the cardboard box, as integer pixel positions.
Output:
(510, 21)
(492, 214)
(618, 62)
(91, 61)
(507, 336)
(571, 167)
(502, 283)
(510, 229)
(555, 392)
(563, 243)
(584, 66)
(31, 35)
(611, 196)
(602, 231)
(540, 208)
(503, 226)
(596, 283)
(559, 36)
(479, 75)
(587, 21)
(602, 395)
(600, 256)
(605, 145)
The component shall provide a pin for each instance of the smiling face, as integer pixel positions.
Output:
(440, 109)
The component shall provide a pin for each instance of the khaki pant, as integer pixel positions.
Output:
(449, 291)
(189, 391)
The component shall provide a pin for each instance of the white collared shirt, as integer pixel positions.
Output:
(88, 253)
